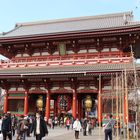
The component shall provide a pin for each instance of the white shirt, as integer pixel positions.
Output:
(0, 124)
(77, 125)
(37, 126)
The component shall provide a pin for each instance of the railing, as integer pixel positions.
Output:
(64, 60)
(70, 57)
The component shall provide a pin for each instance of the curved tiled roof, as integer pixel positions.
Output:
(72, 25)
(47, 70)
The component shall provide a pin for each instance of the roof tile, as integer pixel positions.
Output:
(68, 69)
(72, 25)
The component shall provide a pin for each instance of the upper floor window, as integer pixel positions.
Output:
(114, 49)
(105, 50)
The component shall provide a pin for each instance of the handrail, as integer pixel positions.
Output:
(68, 57)
(65, 62)
(91, 58)
(95, 59)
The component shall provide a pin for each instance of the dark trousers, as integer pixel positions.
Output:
(68, 127)
(28, 130)
(13, 131)
(76, 134)
(108, 133)
(38, 137)
(84, 132)
(5, 135)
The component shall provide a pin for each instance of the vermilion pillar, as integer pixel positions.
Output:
(99, 103)
(99, 109)
(5, 103)
(74, 104)
(26, 106)
(47, 114)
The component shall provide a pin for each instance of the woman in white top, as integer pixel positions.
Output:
(77, 127)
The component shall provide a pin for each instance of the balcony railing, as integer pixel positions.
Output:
(64, 60)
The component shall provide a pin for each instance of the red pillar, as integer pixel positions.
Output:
(99, 109)
(47, 114)
(26, 106)
(99, 103)
(5, 103)
(74, 104)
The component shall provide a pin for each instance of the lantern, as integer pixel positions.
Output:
(64, 102)
(88, 103)
(39, 103)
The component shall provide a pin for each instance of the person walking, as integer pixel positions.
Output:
(7, 127)
(22, 127)
(39, 127)
(53, 123)
(14, 124)
(68, 123)
(85, 127)
(108, 128)
(77, 127)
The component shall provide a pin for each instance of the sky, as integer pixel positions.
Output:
(17, 11)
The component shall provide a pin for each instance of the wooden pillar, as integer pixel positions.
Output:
(47, 113)
(5, 102)
(99, 103)
(124, 106)
(79, 108)
(74, 104)
(26, 106)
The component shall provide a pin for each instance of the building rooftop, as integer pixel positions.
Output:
(49, 70)
(81, 24)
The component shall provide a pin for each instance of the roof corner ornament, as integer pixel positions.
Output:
(3, 33)
(125, 19)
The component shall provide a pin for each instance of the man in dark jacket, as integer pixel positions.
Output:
(39, 127)
(7, 127)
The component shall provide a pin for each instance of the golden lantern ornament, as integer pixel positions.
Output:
(39, 103)
(88, 103)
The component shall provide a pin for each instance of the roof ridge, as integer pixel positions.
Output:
(128, 13)
(16, 27)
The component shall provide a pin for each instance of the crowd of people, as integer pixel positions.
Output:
(35, 125)
(24, 126)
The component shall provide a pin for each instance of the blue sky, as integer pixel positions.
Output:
(15, 11)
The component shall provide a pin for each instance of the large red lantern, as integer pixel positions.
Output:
(64, 102)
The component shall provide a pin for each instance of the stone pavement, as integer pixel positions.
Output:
(63, 134)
